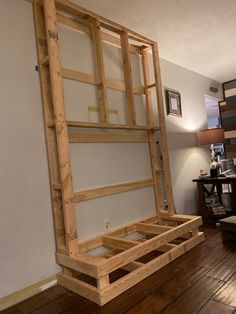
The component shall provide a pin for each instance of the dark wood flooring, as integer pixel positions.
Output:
(201, 281)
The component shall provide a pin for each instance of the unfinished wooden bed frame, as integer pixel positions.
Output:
(158, 240)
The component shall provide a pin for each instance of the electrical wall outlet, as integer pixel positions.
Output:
(107, 224)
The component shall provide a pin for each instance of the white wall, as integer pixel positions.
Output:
(186, 158)
(26, 228)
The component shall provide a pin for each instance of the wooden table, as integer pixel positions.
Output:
(216, 183)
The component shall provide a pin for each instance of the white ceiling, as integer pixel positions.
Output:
(197, 34)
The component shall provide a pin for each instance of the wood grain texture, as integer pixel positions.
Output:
(213, 307)
(61, 127)
(159, 292)
(112, 189)
(106, 138)
(227, 294)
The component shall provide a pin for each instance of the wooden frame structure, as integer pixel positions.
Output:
(164, 236)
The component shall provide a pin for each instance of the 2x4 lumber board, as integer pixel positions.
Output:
(82, 262)
(132, 266)
(152, 139)
(163, 137)
(106, 138)
(81, 124)
(230, 134)
(169, 246)
(80, 287)
(178, 217)
(102, 93)
(79, 76)
(143, 272)
(128, 78)
(76, 10)
(146, 77)
(144, 248)
(91, 79)
(112, 189)
(151, 228)
(107, 38)
(50, 133)
(61, 127)
(116, 243)
(156, 176)
(119, 232)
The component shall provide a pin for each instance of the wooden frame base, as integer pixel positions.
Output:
(89, 275)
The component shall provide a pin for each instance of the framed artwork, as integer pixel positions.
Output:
(173, 103)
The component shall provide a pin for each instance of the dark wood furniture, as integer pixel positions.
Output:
(228, 228)
(203, 192)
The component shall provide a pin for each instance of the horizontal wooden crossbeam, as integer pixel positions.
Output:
(116, 243)
(106, 138)
(107, 38)
(112, 189)
(151, 228)
(91, 79)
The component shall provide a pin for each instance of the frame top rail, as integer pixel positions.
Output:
(77, 10)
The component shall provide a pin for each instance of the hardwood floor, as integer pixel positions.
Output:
(201, 281)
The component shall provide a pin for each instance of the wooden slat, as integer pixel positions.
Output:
(91, 79)
(103, 126)
(128, 78)
(146, 76)
(48, 113)
(61, 127)
(155, 174)
(80, 287)
(151, 228)
(75, 9)
(112, 189)
(79, 76)
(107, 38)
(102, 94)
(163, 137)
(116, 243)
(140, 273)
(148, 246)
(81, 262)
(106, 138)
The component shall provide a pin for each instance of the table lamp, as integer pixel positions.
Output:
(211, 137)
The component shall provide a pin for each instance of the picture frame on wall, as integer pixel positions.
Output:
(173, 103)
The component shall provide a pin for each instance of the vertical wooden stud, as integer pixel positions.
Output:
(152, 140)
(128, 78)
(156, 174)
(50, 133)
(102, 94)
(146, 77)
(163, 137)
(103, 282)
(61, 127)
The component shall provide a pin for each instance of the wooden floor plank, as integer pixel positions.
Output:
(213, 307)
(227, 294)
(195, 297)
(41, 299)
(225, 269)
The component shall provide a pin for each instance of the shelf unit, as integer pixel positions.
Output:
(228, 118)
(166, 234)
